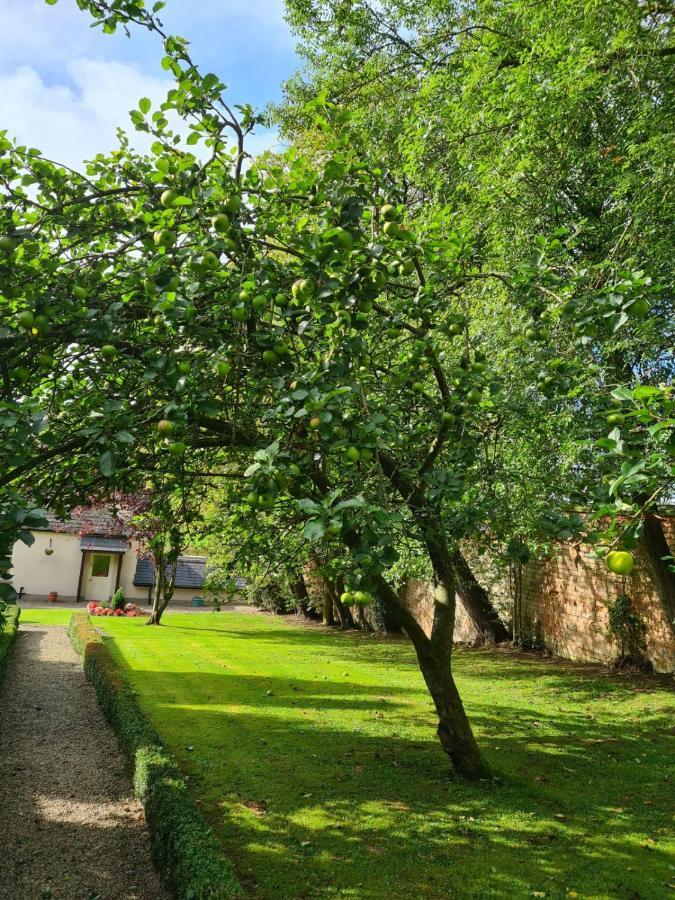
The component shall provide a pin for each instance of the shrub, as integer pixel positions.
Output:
(186, 854)
(630, 633)
(8, 634)
(271, 595)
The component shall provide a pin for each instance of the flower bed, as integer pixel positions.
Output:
(130, 610)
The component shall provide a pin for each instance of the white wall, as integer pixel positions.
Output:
(39, 574)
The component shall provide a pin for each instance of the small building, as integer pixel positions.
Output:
(89, 557)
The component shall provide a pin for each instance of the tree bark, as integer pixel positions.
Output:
(327, 617)
(301, 594)
(656, 552)
(477, 603)
(435, 660)
(340, 611)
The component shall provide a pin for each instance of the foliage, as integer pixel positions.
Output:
(628, 629)
(474, 103)
(117, 600)
(367, 371)
(184, 850)
(321, 745)
(9, 627)
(270, 594)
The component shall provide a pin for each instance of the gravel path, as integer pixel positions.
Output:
(70, 827)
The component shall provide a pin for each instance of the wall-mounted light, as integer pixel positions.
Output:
(49, 550)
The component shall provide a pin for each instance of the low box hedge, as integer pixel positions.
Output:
(186, 853)
(8, 636)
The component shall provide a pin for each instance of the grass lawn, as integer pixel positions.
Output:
(44, 616)
(313, 755)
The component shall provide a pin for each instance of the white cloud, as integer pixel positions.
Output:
(73, 121)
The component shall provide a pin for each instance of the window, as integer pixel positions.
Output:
(100, 566)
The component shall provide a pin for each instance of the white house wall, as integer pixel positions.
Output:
(39, 574)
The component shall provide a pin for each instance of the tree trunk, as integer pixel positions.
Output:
(657, 553)
(327, 616)
(301, 594)
(477, 603)
(159, 604)
(340, 611)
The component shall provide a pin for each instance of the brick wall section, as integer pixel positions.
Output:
(565, 601)
(418, 596)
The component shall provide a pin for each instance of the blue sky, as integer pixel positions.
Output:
(64, 87)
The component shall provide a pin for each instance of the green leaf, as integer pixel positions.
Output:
(107, 463)
(144, 105)
(314, 530)
(124, 437)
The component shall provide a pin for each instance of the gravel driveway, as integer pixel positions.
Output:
(70, 827)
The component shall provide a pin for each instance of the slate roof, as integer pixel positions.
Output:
(189, 574)
(111, 544)
(89, 521)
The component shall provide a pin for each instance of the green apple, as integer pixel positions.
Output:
(177, 448)
(620, 562)
(80, 293)
(388, 213)
(209, 260)
(108, 352)
(616, 419)
(342, 239)
(45, 361)
(281, 300)
(315, 423)
(259, 303)
(347, 598)
(168, 198)
(223, 368)
(21, 374)
(474, 396)
(353, 454)
(232, 204)
(220, 223)
(184, 367)
(362, 598)
(240, 314)
(391, 229)
(7, 244)
(302, 289)
(270, 358)
(164, 238)
(165, 427)
(26, 319)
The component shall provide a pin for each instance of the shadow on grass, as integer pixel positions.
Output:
(312, 801)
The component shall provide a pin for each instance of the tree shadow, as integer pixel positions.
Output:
(325, 788)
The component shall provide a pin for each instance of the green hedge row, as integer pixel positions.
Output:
(186, 853)
(8, 636)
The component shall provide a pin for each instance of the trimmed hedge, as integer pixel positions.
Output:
(8, 636)
(187, 855)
